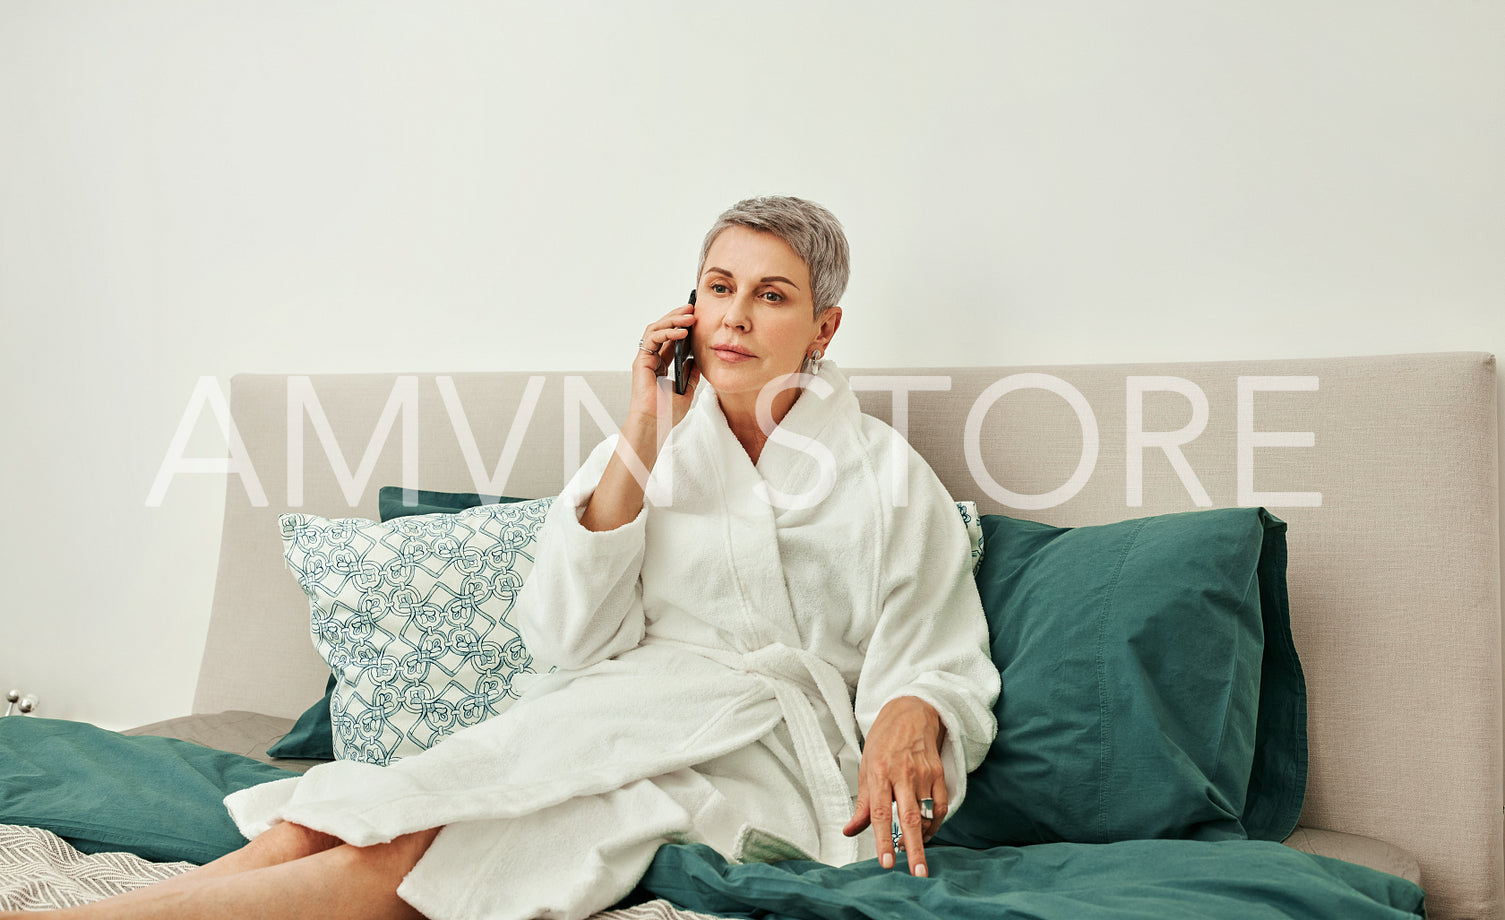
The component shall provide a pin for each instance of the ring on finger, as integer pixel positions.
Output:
(645, 348)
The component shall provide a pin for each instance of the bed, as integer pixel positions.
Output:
(1382, 471)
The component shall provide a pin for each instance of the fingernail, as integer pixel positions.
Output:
(886, 860)
(921, 871)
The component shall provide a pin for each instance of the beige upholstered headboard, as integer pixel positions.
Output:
(1385, 469)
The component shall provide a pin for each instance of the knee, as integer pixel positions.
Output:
(392, 860)
(410, 848)
(287, 841)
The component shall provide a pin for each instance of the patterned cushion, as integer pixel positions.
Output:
(412, 616)
(973, 520)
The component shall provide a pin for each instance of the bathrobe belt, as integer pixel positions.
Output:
(798, 676)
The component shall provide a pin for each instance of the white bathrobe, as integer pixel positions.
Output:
(719, 658)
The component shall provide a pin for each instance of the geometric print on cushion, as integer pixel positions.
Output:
(413, 617)
(973, 520)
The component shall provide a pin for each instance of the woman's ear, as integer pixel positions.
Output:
(830, 321)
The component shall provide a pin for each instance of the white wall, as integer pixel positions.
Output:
(205, 188)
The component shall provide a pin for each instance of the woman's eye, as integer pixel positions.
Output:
(719, 288)
(777, 297)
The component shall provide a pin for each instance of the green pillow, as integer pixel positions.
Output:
(1151, 688)
(159, 798)
(390, 504)
(312, 736)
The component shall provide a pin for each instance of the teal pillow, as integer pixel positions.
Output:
(390, 504)
(312, 736)
(159, 798)
(1151, 688)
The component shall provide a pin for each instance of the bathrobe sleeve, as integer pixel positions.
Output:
(931, 639)
(583, 601)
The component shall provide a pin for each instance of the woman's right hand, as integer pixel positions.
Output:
(655, 357)
(618, 498)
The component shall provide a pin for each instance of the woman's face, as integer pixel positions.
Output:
(754, 313)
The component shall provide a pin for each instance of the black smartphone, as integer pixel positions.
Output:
(683, 357)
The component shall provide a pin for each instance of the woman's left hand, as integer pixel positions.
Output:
(901, 762)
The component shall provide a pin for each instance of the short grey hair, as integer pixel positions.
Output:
(811, 231)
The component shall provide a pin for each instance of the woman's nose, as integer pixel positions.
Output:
(737, 314)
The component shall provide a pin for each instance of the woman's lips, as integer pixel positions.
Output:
(730, 356)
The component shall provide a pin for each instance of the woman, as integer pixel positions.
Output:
(734, 586)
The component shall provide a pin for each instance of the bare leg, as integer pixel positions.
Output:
(282, 843)
(333, 882)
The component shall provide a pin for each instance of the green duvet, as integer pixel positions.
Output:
(1130, 880)
(161, 799)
